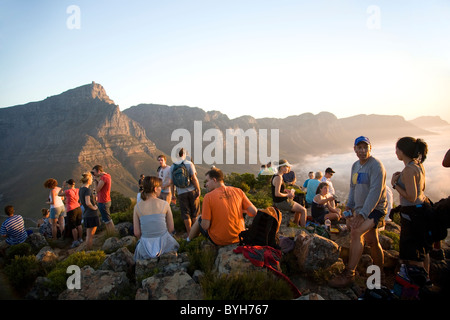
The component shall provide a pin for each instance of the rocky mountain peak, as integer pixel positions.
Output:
(92, 91)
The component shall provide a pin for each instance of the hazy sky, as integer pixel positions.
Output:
(257, 57)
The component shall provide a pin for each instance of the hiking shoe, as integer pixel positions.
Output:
(75, 244)
(342, 280)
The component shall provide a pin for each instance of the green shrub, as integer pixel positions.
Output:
(260, 199)
(257, 285)
(119, 202)
(23, 271)
(21, 249)
(126, 216)
(395, 239)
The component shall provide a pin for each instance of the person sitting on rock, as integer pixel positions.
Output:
(283, 198)
(323, 205)
(222, 216)
(153, 222)
(13, 228)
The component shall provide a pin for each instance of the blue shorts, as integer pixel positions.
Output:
(104, 209)
(56, 212)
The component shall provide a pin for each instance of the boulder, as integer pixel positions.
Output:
(37, 241)
(120, 261)
(114, 243)
(47, 257)
(315, 252)
(97, 285)
(227, 261)
(179, 286)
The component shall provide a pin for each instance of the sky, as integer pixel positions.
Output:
(248, 57)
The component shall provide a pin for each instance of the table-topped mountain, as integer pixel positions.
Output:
(64, 135)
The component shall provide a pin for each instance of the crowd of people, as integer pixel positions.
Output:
(69, 207)
(221, 216)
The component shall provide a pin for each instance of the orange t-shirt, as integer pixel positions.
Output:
(224, 207)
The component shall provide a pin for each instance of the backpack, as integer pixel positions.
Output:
(180, 175)
(264, 229)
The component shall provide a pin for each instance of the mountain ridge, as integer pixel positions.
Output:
(66, 134)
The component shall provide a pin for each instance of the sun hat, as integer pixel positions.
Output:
(284, 162)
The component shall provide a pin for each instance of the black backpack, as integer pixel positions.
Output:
(264, 229)
(180, 175)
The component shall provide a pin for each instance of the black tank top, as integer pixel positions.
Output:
(282, 190)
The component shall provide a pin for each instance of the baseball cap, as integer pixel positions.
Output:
(329, 170)
(362, 139)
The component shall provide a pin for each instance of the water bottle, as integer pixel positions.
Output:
(328, 224)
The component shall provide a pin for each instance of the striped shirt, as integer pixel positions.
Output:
(14, 230)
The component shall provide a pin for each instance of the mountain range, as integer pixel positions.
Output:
(64, 135)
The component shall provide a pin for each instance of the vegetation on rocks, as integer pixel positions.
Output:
(22, 267)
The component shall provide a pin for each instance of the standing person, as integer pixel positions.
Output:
(410, 185)
(73, 210)
(446, 160)
(13, 228)
(57, 210)
(102, 184)
(164, 175)
(153, 222)
(184, 177)
(222, 216)
(90, 215)
(283, 199)
(367, 200)
(141, 182)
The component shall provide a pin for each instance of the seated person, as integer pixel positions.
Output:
(289, 178)
(305, 184)
(13, 228)
(222, 218)
(153, 222)
(323, 205)
(44, 225)
(312, 187)
(283, 199)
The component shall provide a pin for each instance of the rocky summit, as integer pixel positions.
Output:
(308, 259)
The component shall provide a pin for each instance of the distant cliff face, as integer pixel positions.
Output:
(65, 135)
(299, 136)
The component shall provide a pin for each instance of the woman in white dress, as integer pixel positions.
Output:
(153, 222)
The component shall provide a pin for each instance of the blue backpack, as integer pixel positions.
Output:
(180, 175)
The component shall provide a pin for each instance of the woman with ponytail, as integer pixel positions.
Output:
(153, 222)
(410, 185)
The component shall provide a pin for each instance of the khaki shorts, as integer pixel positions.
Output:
(286, 205)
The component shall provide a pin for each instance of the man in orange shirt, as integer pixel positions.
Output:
(223, 209)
